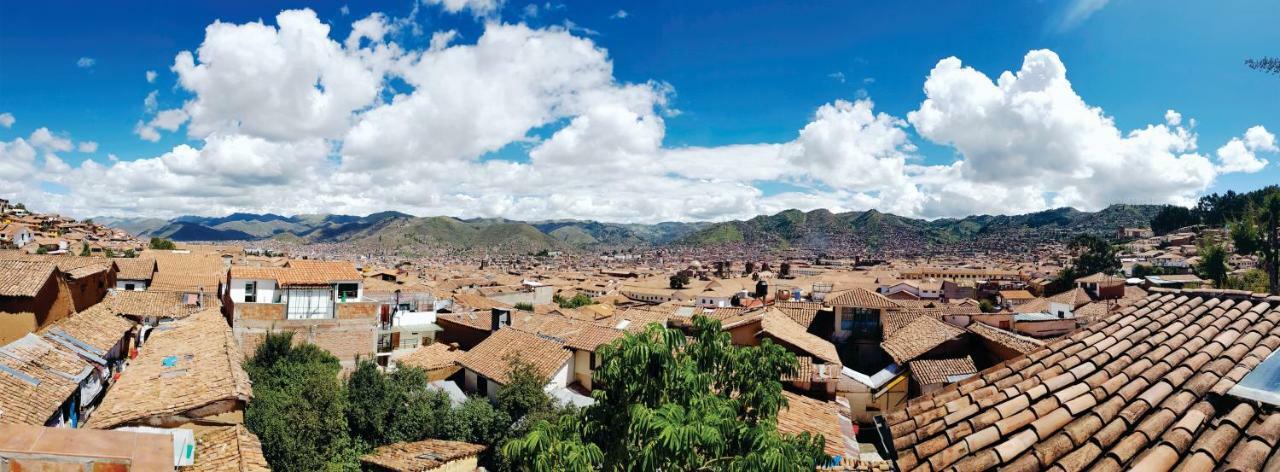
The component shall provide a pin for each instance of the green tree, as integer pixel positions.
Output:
(679, 281)
(1213, 264)
(524, 306)
(298, 408)
(1253, 280)
(385, 408)
(1258, 234)
(1172, 217)
(671, 404)
(84, 249)
(579, 300)
(162, 244)
(130, 253)
(41, 250)
(1093, 255)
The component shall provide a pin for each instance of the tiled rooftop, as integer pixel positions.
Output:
(184, 365)
(1143, 389)
(917, 338)
(228, 449)
(23, 278)
(420, 456)
(493, 357)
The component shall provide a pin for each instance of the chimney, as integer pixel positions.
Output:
(499, 317)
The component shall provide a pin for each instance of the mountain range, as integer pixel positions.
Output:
(790, 228)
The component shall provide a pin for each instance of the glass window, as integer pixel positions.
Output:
(250, 292)
(348, 292)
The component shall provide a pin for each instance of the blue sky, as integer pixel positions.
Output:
(741, 72)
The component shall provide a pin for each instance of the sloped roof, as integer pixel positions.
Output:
(97, 326)
(1074, 297)
(863, 298)
(185, 282)
(779, 326)
(135, 268)
(493, 357)
(919, 337)
(1141, 390)
(228, 449)
(24, 278)
(935, 371)
(421, 456)
(188, 364)
(802, 313)
(37, 378)
(157, 303)
(432, 356)
(1005, 338)
(803, 414)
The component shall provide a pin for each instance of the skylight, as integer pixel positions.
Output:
(1262, 384)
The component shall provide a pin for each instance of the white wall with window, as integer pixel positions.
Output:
(254, 291)
(131, 285)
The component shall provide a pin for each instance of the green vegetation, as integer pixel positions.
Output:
(1253, 280)
(1143, 270)
(1213, 263)
(84, 249)
(579, 300)
(678, 281)
(1093, 255)
(41, 250)
(671, 404)
(299, 407)
(162, 244)
(1172, 217)
(1257, 234)
(309, 419)
(524, 306)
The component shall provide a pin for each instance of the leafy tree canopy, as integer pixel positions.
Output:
(671, 404)
(162, 244)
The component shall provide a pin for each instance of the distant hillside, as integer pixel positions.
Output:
(792, 228)
(874, 230)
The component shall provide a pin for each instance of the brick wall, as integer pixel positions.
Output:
(260, 311)
(345, 339)
(355, 310)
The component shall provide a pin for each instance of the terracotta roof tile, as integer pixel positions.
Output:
(421, 456)
(1127, 392)
(432, 357)
(863, 298)
(941, 371)
(494, 356)
(24, 278)
(228, 449)
(1004, 338)
(38, 377)
(804, 414)
(184, 365)
(918, 338)
(779, 326)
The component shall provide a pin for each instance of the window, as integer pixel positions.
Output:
(348, 292)
(482, 385)
(250, 292)
(128, 287)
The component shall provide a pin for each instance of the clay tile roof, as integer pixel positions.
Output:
(933, 371)
(861, 297)
(802, 313)
(476, 301)
(228, 449)
(307, 272)
(37, 378)
(591, 337)
(97, 326)
(493, 357)
(24, 278)
(1146, 388)
(804, 414)
(1074, 297)
(421, 456)
(185, 282)
(184, 365)
(1004, 338)
(432, 356)
(136, 268)
(918, 338)
(778, 326)
(155, 303)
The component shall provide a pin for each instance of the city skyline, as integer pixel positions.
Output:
(632, 113)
